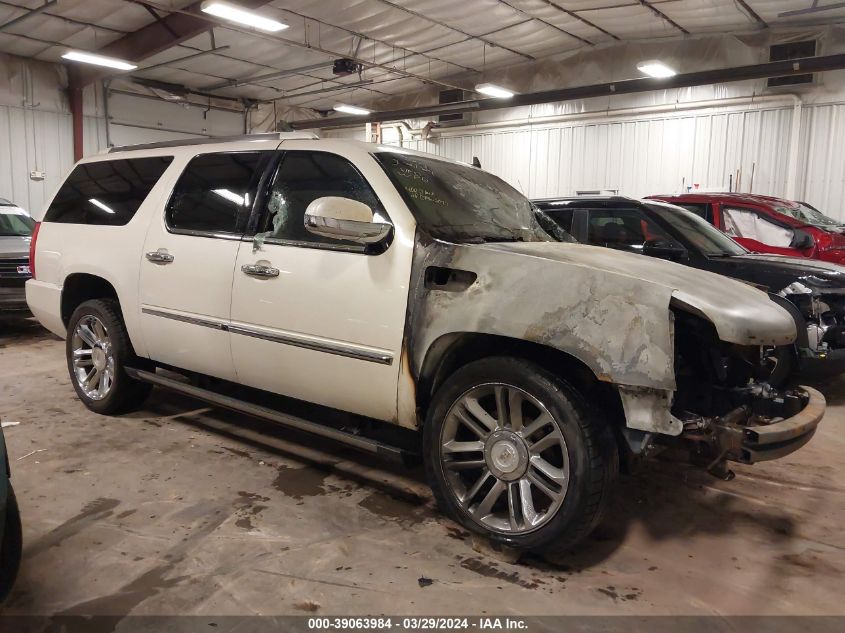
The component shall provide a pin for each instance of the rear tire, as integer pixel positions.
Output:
(514, 453)
(12, 546)
(98, 352)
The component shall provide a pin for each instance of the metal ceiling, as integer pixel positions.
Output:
(401, 44)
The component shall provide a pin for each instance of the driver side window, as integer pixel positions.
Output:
(624, 229)
(301, 178)
(748, 224)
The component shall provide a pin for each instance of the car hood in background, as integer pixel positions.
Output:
(741, 314)
(776, 272)
(14, 246)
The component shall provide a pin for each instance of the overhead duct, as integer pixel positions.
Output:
(626, 86)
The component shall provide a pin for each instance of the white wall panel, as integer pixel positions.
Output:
(637, 156)
(822, 166)
(33, 140)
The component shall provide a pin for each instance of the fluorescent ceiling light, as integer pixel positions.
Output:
(98, 60)
(656, 68)
(231, 196)
(348, 109)
(237, 14)
(492, 90)
(100, 205)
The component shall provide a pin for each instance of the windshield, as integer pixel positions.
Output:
(703, 235)
(459, 203)
(805, 213)
(15, 223)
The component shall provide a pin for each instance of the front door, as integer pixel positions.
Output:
(315, 318)
(189, 257)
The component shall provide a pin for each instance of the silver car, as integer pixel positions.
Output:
(15, 235)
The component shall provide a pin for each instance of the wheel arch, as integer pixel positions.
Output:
(452, 351)
(81, 287)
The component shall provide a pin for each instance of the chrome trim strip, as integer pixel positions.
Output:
(338, 349)
(214, 325)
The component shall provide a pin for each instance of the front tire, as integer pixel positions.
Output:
(98, 351)
(515, 454)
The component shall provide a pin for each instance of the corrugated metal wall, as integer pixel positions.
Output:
(33, 140)
(636, 157)
(822, 165)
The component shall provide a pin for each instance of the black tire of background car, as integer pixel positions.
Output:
(125, 394)
(593, 452)
(12, 545)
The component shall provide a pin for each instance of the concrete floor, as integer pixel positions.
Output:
(180, 509)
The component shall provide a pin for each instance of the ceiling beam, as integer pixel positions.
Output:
(753, 14)
(572, 14)
(663, 16)
(271, 37)
(480, 38)
(29, 13)
(158, 36)
(544, 22)
(610, 89)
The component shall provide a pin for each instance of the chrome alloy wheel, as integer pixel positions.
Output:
(93, 358)
(504, 458)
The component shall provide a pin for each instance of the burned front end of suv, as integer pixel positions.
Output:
(726, 409)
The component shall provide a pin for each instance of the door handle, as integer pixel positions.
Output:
(258, 270)
(159, 257)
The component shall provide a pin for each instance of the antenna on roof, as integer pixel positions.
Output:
(476, 162)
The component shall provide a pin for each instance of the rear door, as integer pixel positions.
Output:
(188, 258)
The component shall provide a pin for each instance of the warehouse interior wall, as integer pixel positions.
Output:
(738, 135)
(36, 130)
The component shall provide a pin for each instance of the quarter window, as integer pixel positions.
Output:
(214, 193)
(303, 177)
(106, 192)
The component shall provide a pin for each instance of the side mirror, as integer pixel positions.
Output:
(344, 219)
(664, 250)
(802, 240)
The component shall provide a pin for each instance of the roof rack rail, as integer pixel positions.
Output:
(206, 140)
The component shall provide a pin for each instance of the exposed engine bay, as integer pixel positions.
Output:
(727, 412)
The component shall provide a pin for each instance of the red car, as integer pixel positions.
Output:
(764, 224)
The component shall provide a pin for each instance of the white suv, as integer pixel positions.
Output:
(418, 294)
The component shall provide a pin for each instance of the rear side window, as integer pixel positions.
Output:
(702, 210)
(106, 192)
(214, 193)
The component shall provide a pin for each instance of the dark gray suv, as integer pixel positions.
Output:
(15, 235)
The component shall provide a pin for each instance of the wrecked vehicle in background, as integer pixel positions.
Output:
(418, 294)
(812, 291)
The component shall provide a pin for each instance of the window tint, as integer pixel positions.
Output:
(214, 192)
(303, 177)
(626, 229)
(106, 192)
(562, 217)
(15, 223)
(702, 210)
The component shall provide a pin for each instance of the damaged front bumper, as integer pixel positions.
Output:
(768, 425)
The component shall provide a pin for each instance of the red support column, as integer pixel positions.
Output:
(75, 94)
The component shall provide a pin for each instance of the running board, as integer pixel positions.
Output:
(291, 421)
